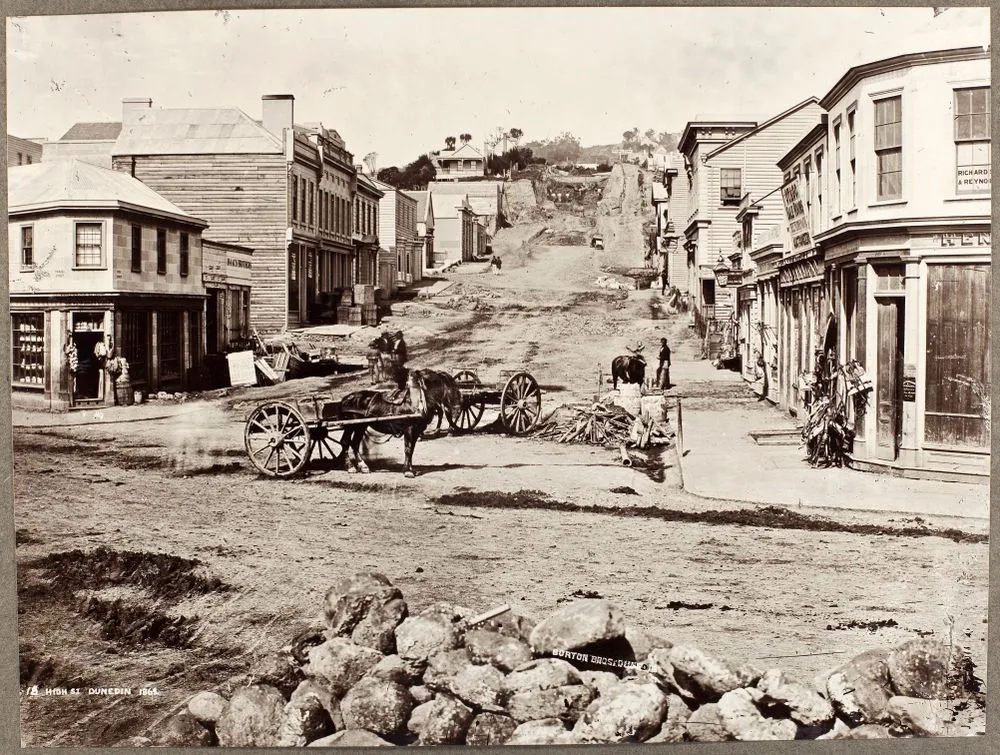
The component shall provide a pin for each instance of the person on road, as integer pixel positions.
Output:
(663, 371)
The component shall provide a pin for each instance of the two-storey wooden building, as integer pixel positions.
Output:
(99, 262)
(425, 226)
(398, 224)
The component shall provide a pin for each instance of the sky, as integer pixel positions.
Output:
(398, 81)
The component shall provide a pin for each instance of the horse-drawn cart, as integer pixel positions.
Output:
(517, 395)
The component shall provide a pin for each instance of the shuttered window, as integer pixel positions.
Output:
(889, 148)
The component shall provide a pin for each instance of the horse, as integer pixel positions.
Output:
(387, 354)
(426, 392)
(629, 368)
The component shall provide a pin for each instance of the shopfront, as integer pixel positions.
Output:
(804, 314)
(227, 276)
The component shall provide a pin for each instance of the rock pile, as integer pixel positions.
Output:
(376, 674)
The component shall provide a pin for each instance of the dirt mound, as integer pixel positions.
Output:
(564, 238)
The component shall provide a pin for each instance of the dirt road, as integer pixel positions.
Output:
(206, 567)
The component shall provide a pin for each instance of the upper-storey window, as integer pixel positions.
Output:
(972, 140)
(889, 148)
(89, 245)
(836, 171)
(731, 185)
(852, 174)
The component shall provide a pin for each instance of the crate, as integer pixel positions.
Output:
(354, 316)
(346, 298)
(364, 294)
(369, 314)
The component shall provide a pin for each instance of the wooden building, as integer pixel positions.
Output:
(454, 230)
(98, 262)
(24, 151)
(398, 226)
(464, 162)
(366, 235)
(227, 271)
(282, 189)
(425, 226)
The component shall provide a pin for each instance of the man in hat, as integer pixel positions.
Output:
(663, 371)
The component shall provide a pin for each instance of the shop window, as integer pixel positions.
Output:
(731, 185)
(28, 349)
(161, 251)
(169, 335)
(89, 245)
(958, 356)
(889, 148)
(972, 141)
(293, 281)
(27, 246)
(135, 345)
(136, 248)
(185, 254)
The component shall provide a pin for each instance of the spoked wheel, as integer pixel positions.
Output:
(277, 440)
(468, 415)
(325, 447)
(520, 404)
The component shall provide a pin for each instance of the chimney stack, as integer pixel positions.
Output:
(131, 104)
(278, 112)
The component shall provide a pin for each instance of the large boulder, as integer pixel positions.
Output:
(628, 713)
(377, 706)
(566, 702)
(339, 664)
(419, 637)
(509, 625)
(706, 725)
(367, 608)
(542, 673)
(443, 667)
(393, 668)
(351, 738)
(599, 681)
(547, 731)
(490, 729)
(478, 686)
(804, 705)
(446, 721)
(421, 694)
(252, 718)
(931, 669)
(506, 653)
(925, 718)
(312, 689)
(705, 677)
(674, 725)
(207, 707)
(743, 720)
(643, 642)
(861, 688)
(277, 670)
(418, 717)
(182, 730)
(304, 719)
(576, 625)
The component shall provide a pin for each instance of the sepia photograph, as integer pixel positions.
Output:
(478, 376)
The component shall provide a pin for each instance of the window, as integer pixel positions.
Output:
(89, 246)
(889, 148)
(730, 181)
(27, 246)
(185, 254)
(853, 172)
(29, 159)
(161, 251)
(311, 203)
(302, 201)
(836, 170)
(28, 349)
(972, 140)
(135, 344)
(20, 158)
(818, 222)
(295, 197)
(136, 248)
(168, 327)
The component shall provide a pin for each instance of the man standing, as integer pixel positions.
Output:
(663, 371)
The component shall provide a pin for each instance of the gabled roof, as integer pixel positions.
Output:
(424, 203)
(484, 196)
(191, 131)
(450, 206)
(765, 125)
(374, 186)
(465, 152)
(92, 132)
(74, 184)
(816, 134)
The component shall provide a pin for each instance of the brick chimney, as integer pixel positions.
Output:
(131, 104)
(278, 112)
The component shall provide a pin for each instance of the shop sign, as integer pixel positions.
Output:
(966, 239)
(972, 179)
(795, 212)
(910, 382)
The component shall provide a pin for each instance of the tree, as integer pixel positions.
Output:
(414, 176)
(515, 135)
(650, 135)
(466, 138)
(449, 142)
(628, 137)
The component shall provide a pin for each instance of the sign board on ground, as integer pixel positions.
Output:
(241, 368)
(798, 219)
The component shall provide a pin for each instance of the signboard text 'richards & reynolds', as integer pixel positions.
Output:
(798, 220)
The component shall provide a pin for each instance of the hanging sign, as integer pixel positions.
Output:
(795, 212)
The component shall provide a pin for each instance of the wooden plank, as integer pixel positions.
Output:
(887, 380)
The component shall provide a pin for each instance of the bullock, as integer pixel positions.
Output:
(629, 368)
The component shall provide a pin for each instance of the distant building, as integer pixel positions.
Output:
(227, 271)
(398, 224)
(425, 226)
(367, 236)
(99, 260)
(454, 230)
(90, 142)
(464, 162)
(23, 151)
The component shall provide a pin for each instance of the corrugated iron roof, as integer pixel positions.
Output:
(74, 183)
(465, 152)
(482, 194)
(189, 131)
(92, 132)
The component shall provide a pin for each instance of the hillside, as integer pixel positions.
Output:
(555, 151)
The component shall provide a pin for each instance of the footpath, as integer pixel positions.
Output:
(722, 460)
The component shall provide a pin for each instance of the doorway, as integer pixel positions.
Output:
(889, 376)
(87, 379)
(212, 321)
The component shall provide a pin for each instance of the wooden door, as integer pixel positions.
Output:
(212, 321)
(888, 399)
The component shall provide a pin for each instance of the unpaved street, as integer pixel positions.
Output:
(490, 519)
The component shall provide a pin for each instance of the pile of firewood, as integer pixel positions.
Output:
(597, 424)
(646, 431)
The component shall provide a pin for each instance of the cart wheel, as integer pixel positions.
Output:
(324, 445)
(277, 439)
(520, 404)
(473, 404)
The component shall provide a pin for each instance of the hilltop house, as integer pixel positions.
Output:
(464, 162)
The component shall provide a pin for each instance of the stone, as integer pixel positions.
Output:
(304, 719)
(705, 725)
(547, 731)
(182, 730)
(393, 668)
(421, 694)
(339, 664)
(869, 731)
(506, 653)
(566, 702)
(252, 718)
(542, 673)
(443, 667)
(809, 710)
(447, 612)
(925, 718)
(628, 713)
(490, 729)
(351, 738)
(207, 707)
(349, 601)
(744, 722)
(674, 726)
(277, 670)
(705, 677)
(378, 706)
(839, 730)
(643, 642)
(418, 717)
(509, 625)
(580, 623)
(930, 669)
(861, 688)
(660, 668)
(419, 637)
(311, 689)
(599, 681)
(447, 721)
(478, 686)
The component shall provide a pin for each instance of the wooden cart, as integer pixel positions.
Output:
(282, 437)
(516, 394)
